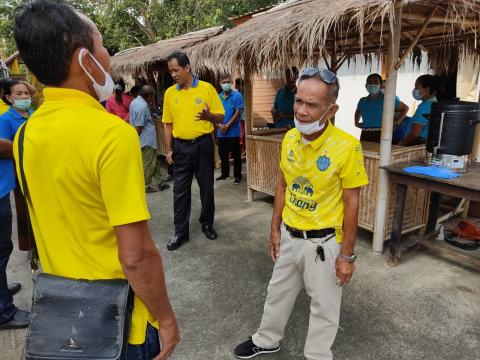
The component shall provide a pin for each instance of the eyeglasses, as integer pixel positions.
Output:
(326, 75)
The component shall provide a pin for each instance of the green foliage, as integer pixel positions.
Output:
(129, 23)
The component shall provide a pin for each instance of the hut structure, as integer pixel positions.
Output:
(307, 32)
(150, 59)
(150, 63)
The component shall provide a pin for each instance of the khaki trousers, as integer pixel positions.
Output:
(151, 167)
(295, 269)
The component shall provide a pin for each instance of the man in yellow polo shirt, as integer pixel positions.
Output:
(83, 167)
(190, 110)
(317, 197)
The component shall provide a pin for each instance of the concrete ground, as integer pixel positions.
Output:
(426, 308)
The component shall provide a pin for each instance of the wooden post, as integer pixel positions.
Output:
(381, 208)
(248, 93)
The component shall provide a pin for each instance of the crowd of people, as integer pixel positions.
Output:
(89, 155)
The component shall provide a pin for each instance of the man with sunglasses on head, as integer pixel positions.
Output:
(314, 221)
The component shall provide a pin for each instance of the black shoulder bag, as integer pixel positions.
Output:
(76, 319)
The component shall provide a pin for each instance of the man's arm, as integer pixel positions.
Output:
(206, 115)
(232, 121)
(168, 129)
(6, 148)
(144, 271)
(278, 205)
(350, 224)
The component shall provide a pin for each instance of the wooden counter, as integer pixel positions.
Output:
(263, 157)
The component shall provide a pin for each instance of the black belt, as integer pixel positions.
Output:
(193, 141)
(310, 234)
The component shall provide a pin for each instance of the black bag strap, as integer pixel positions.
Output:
(21, 141)
(33, 255)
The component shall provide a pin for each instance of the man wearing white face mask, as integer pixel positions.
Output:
(314, 220)
(228, 132)
(370, 110)
(84, 172)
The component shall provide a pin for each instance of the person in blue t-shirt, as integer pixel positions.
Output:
(17, 93)
(370, 110)
(282, 111)
(228, 132)
(417, 126)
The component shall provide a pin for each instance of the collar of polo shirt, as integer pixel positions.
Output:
(320, 140)
(194, 84)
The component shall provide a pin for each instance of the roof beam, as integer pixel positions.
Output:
(415, 40)
(439, 19)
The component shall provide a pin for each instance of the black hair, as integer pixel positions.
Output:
(226, 76)
(118, 93)
(47, 34)
(375, 75)
(181, 58)
(7, 90)
(135, 90)
(147, 91)
(3, 89)
(429, 81)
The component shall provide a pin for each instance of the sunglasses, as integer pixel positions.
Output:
(326, 75)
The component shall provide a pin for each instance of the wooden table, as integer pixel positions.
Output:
(467, 186)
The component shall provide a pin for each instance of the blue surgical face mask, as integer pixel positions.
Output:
(226, 87)
(22, 104)
(373, 89)
(416, 94)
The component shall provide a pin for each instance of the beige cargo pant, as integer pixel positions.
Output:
(295, 269)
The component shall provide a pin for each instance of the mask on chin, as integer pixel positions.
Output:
(102, 91)
(313, 127)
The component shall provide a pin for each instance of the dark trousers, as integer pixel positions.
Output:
(225, 146)
(7, 309)
(148, 350)
(193, 158)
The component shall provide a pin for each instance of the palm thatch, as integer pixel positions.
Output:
(140, 59)
(300, 32)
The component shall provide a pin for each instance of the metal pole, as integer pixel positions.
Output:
(381, 210)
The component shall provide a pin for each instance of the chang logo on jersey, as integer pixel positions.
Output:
(301, 192)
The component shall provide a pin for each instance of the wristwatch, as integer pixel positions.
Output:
(349, 259)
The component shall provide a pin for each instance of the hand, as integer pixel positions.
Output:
(169, 157)
(169, 336)
(344, 270)
(224, 128)
(205, 114)
(274, 245)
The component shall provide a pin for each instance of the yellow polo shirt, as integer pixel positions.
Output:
(316, 174)
(85, 176)
(180, 108)
(3, 107)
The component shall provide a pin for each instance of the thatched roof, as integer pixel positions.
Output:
(300, 32)
(139, 59)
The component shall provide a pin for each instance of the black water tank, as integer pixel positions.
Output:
(458, 129)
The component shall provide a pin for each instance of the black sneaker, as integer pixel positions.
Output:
(238, 180)
(222, 177)
(248, 350)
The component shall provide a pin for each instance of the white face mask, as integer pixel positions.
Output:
(102, 91)
(313, 127)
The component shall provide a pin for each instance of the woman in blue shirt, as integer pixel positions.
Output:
(370, 110)
(417, 126)
(17, 93)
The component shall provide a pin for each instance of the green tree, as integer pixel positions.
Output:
(129, 23)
